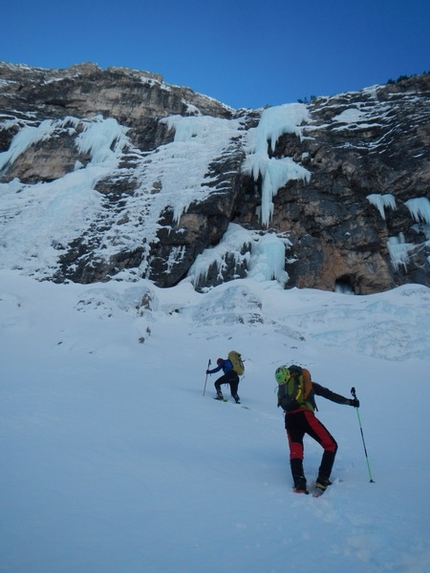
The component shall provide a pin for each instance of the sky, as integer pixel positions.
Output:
(244, 53)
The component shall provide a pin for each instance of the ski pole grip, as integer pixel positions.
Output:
(353, 392)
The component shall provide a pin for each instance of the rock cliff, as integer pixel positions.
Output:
(153, 176)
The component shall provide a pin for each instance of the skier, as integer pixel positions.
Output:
(229, 377)
(301, 420)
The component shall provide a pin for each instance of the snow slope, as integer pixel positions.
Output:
(113, 461)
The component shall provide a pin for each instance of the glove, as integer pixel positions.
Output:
(354, 402)
(207, 372)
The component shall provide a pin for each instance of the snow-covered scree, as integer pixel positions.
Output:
(113, 461)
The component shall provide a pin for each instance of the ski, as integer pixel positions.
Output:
(226, 400)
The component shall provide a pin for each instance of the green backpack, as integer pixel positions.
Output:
(294, 388)
(236, 361)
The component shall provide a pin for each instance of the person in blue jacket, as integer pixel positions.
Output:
(229, 377)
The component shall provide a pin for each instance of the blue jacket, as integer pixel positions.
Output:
(225, 365)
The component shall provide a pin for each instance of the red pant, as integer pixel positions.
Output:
(302, 422)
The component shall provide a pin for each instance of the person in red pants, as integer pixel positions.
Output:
(300, 419)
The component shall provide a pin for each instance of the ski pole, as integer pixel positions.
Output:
(362, 436)
(206, 379)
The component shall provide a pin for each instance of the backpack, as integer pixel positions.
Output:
(295, 388)
(236, 361)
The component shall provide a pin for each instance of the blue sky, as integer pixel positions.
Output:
(241, 52)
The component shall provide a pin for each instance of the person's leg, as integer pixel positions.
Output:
(234, 384)
(319, 432)
(295, 432)
(221, 380)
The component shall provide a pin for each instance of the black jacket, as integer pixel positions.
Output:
(326, 393)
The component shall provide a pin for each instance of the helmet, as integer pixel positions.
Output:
(219, 361)
(282, 375)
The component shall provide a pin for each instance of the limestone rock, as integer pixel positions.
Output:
(355, 146)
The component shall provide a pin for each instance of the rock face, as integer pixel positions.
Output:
(385, 150)
(358, 219)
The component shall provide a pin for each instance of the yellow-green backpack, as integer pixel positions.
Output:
(236, 361)
(294, 388)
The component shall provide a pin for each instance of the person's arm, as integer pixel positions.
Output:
(217, 369)
(326, 393)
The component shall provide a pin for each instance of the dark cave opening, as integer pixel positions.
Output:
(345, 285)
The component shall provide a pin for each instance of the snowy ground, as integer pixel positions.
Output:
(113, 461)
